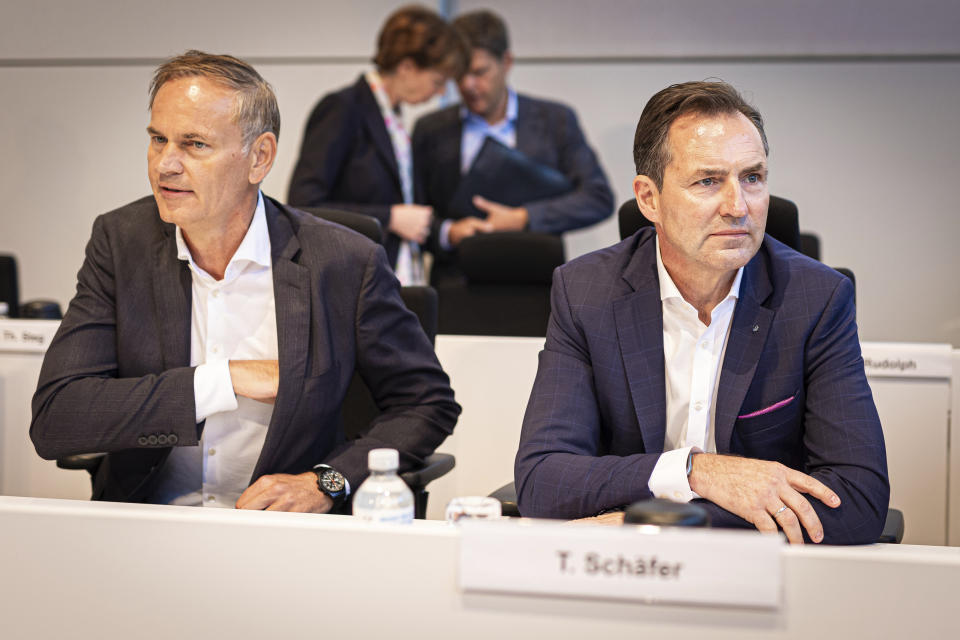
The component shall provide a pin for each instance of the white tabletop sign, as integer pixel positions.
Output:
(907, 360)
(27, 335)
(649, 564)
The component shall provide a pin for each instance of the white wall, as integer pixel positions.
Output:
(860, 99)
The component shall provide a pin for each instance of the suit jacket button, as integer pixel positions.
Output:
(142, 441)
(151, 439)
(162, 439)
(172, 438)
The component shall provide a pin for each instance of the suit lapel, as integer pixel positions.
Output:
(373, 121)
(748, 334)
(172, 296)
(529, 129)
(291, 293)
(639, 321)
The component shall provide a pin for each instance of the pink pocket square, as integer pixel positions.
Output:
(772, 407)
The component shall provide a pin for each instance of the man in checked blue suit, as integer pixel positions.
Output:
(704, 360)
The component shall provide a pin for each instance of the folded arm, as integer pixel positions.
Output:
(82, 405)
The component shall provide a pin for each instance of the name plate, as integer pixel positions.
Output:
(31, 336)
(648, 564)
(907, 360)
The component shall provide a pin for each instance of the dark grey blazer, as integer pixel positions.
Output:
(547, 132)
(347, 161)
(116, 377)
(792, 388)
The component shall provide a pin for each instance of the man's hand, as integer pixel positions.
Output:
(411, 221)
(502, 217)
(757, 491)
(285, 492)
(466, 227)
(256, 379)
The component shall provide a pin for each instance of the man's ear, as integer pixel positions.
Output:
(263, 152)
(507, 61)
(648, 198)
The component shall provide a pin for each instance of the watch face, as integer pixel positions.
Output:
(331, 481)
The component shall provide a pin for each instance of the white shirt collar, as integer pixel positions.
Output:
(254, 248)
(668, 289)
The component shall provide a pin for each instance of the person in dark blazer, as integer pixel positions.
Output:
(703, 359)
(355, 154)
(215, 331)
(445, 144)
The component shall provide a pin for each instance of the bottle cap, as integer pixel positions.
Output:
(383, 460)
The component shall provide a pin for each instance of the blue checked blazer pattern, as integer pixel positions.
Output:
(792, 388)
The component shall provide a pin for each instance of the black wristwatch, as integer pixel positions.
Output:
(332, 483)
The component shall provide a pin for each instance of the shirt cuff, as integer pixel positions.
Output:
(669, 477)
(213, 389)
(445, 235)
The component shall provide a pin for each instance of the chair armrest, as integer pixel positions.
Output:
(507, 495)
(434, 466)
(893, 527)
(86, 461)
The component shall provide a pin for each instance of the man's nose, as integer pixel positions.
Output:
(735, 204)
(168, 161)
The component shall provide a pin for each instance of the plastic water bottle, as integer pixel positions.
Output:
(383, 496)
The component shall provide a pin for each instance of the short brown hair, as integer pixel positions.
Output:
(484, 30)
(420, 34)
(651, 154)
(256, 106)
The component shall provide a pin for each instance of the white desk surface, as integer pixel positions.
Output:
(93, 570)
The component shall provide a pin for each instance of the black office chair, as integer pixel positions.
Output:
(357, 411)
(359, 408)
(9, 289)
(810, 245)
(783, 221)
(506, 291)
(367, 225)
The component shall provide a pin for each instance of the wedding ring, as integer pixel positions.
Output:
(779, 511)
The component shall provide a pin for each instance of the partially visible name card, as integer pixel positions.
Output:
(907, 360)
(649, 564)
(27, 335)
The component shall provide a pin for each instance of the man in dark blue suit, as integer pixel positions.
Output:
(446, 143)
(705, 360)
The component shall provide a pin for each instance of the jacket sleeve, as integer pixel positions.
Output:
(843, 439)
(559, 470)
(399, 366)
(327, 144)
(591, 199)
(81, 405)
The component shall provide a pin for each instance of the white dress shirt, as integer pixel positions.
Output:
(692, 355)
(231, 319)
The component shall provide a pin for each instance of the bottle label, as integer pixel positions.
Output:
(403, 515)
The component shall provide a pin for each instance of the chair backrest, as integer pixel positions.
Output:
(9, 290)
(810, 245)
(783, 221)
(367, 225)
(507, 287)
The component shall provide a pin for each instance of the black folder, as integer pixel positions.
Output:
(504, 175)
